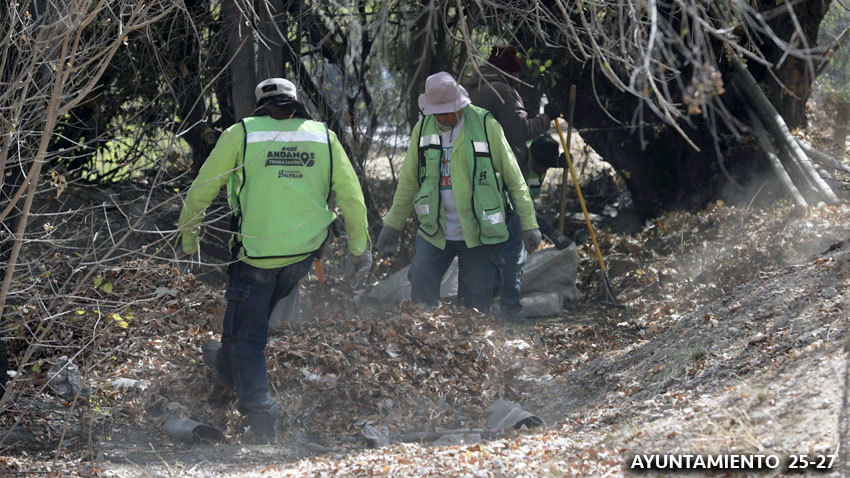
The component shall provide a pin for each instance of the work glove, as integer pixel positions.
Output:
(562, 161)
(389, 240)
(561, 241)
(357, 267)
(552, 110)
(531, 239)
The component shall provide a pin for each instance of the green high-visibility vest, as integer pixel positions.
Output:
(280, 199)
(485, 190)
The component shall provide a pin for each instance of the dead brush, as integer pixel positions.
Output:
(680, 365)
(736, 432)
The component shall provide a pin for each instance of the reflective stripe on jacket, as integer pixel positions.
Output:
(534, 180)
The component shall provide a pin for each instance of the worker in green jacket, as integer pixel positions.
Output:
(456, 173)
(280, 168)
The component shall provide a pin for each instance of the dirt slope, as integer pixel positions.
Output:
(731, 342)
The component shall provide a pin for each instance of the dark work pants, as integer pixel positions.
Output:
(251, 294)
(514, 255)
(477, 272)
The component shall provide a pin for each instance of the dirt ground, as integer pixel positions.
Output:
(731, 342)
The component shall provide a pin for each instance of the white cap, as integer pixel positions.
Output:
(275, 87)
(442, 95)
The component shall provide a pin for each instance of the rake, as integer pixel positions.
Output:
(609, 295)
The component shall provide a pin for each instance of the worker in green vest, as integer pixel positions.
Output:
(456, 173)
(280, 168)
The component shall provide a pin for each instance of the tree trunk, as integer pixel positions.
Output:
(11, 179)
(660, 176)
(428, 54)
(191, 101)
(661, 171)
(775, 124)
(419, 64)
(794, 73)
(839, 137)
(270, 49)
(240, 47)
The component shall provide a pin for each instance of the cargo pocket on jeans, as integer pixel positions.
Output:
(236, 297)
(497, 261)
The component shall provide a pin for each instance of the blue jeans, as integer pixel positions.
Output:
(514, 255)
(477, 269)
(251, 294)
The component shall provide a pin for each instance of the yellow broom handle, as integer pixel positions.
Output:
(578, 188)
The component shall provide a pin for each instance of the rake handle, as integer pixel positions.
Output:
(565, 144)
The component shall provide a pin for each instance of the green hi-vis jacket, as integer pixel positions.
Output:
(482, 166)
(279, 176)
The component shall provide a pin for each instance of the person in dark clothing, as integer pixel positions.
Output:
(542, 155)
(494, 90)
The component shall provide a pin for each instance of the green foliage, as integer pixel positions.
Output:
(133, 157)
(536, 64)
(834, 80)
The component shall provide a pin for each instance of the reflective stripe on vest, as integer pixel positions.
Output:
(286, 136)
(429, 140)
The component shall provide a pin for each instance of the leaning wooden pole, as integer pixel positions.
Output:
(564, 178)
(774, 123)
(822, 158)
(773, 159)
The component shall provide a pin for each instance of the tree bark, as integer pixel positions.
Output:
(839, 138)
(240, 47)
(794, 74)
(822, 158)
(270, 49)
(660, 170)
(419, 63)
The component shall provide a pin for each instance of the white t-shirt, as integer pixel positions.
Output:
(448, 136)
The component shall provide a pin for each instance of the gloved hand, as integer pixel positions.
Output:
(562, 161)
(357, 267)
(561, 241)
(531, 239)
(552, 110)
(389, 240)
